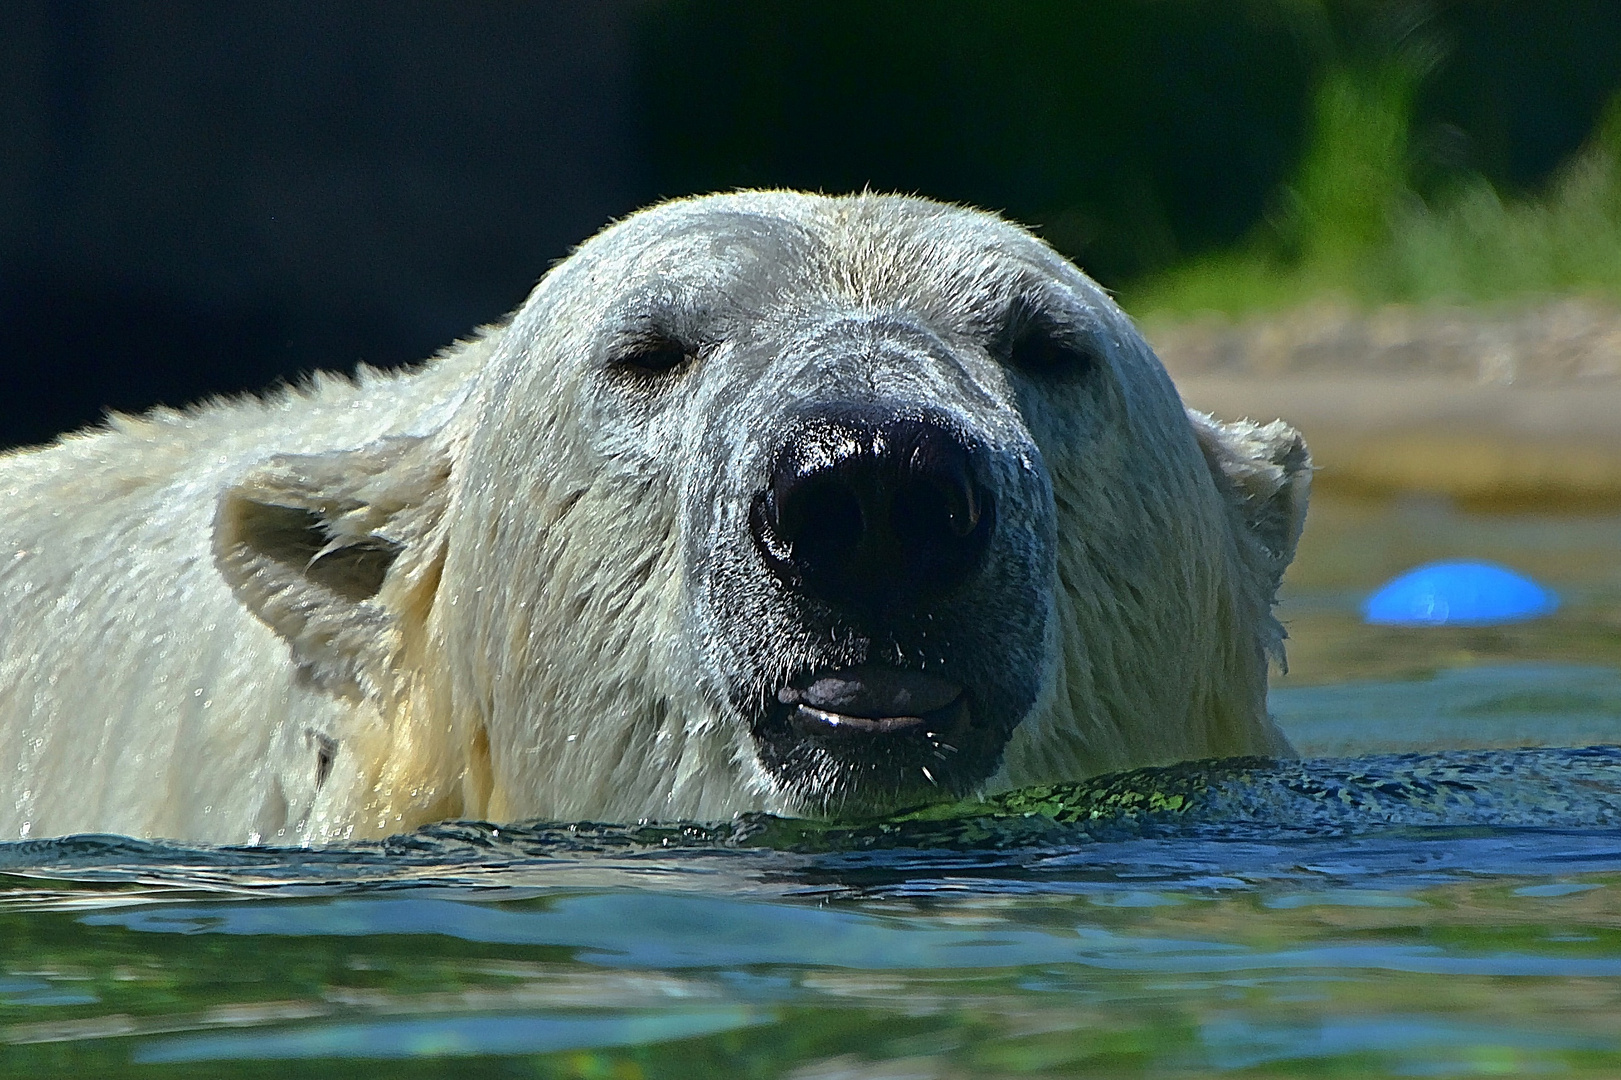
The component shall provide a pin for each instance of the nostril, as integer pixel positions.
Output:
(929, 509)
(764, 524)
(823, 522)
(807, 524)
(958, 498)
(869, 514)
(964, 513)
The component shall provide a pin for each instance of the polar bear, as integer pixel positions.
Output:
(761, 501)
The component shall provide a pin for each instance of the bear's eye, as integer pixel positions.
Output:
(1042, 349)
(653, 356)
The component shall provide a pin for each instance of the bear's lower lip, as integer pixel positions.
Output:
(811, 720)
(808, 715)
(887, 697)
(870, 701)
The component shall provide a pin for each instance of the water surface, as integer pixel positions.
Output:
(1435, 890)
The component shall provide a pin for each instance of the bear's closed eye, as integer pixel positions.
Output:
(653, 356)
(1042, 348)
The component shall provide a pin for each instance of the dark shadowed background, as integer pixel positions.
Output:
(205, 197)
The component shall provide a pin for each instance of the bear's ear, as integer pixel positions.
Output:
(1265, 472)
(325, 548)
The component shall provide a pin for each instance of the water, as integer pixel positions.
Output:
(1434, 891)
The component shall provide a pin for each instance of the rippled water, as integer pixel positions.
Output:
(1435, 890)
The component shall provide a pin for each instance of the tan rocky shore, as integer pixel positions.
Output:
(1507, 404)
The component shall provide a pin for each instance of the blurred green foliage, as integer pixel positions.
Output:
(1190, 153)
(1356, 227)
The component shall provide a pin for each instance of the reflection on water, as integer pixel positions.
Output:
(1464, 951)
(1491, 705)
(1394, 907)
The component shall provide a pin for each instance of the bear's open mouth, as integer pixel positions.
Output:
(874, 738)
(873, 699)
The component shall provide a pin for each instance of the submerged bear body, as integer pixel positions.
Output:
(761, 501)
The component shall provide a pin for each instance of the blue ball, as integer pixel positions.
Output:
(1458, 594)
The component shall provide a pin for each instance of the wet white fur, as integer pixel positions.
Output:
(527, 654)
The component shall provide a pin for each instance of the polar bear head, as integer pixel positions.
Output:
(807, 504)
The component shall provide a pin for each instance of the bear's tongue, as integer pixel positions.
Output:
(873, 692)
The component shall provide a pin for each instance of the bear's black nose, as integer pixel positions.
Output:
(872, 512)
